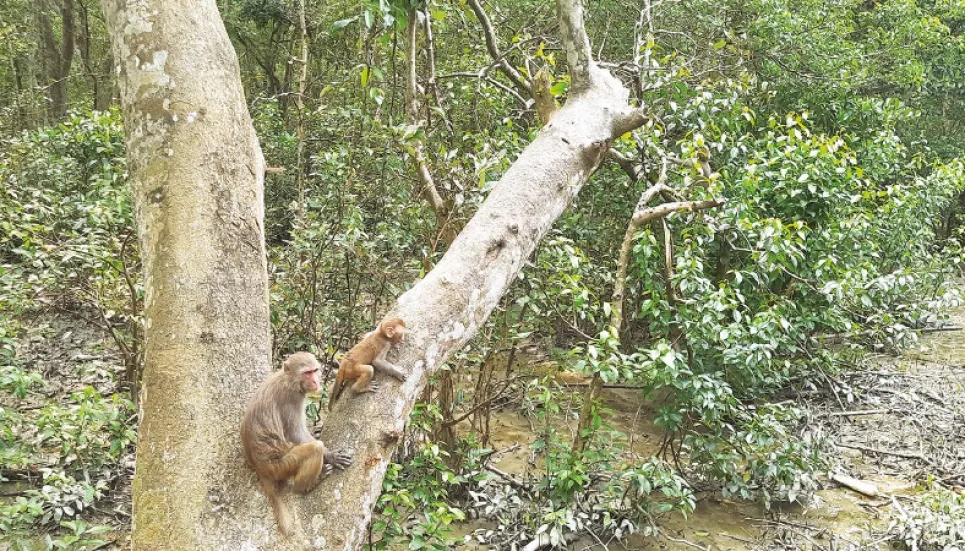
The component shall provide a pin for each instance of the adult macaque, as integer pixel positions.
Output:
(368, 355)
(277, 443)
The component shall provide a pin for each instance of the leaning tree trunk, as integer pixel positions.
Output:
(448, 307)
(196, 171)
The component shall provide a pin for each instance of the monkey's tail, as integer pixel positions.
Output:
(337, 389)
(282, 515)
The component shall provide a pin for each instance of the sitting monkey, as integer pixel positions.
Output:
(276, 440)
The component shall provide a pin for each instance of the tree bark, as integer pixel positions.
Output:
(196, 171)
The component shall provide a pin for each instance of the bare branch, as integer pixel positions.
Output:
(431, 60)
(633, 119)
(660, 211)
(579, 55)
(429, 188)
(491, 45)
(522, 101)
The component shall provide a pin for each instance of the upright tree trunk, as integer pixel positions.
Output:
(197, 176)
(100, 76)
(58, 57)
(300, 105)
(445, 229)
(642, 214)
(107, 91)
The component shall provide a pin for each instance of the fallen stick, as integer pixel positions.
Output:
(612, 385)
(857, 412)
(940, 328)
(509, 478)
(906, 455)
(860, 486)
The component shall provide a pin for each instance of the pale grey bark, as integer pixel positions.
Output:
(196, 171)
(447, 308)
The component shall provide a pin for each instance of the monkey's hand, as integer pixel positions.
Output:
(338, 460)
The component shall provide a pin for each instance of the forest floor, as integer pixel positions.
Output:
(895, 423)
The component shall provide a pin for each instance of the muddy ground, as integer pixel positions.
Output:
(896, 422)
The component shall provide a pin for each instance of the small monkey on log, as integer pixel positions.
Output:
(367, 356)
(276, 440)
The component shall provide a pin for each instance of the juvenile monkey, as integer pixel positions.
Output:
(367, 356)
(277, 444)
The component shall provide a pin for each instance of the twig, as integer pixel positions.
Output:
(502, 392)
(617, 386)
(24, 408)
(940, 329)
(512, 448)
(490, 80)
(952, 477)
(856, 412)
(509, 478)
(733, 537)
(790, 526)
(906, 455)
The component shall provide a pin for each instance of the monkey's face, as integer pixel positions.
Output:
(396, 333)
(394, 329)
(311, 377)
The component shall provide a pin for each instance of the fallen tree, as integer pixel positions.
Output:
(447, 308)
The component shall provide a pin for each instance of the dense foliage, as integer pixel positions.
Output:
(833, 130)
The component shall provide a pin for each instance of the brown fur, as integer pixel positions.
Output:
(277, 444)
(366, 357)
